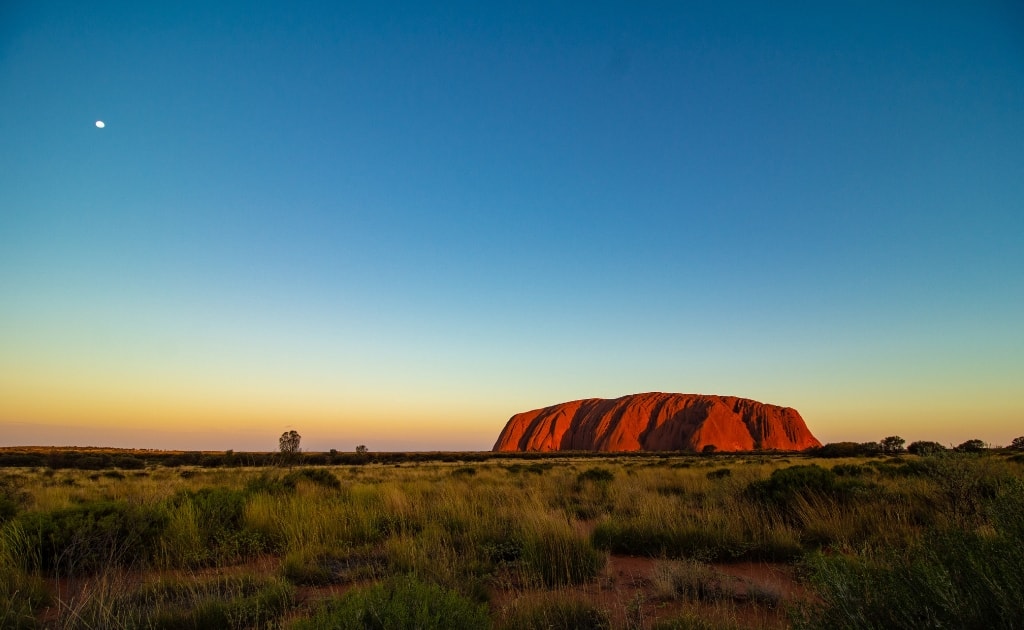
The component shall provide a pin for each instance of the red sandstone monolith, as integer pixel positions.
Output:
(657, 422)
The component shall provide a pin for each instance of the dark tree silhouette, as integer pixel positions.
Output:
(971, 446)
(892, 445)
(289, 446)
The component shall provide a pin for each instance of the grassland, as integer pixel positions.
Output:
(644, 541)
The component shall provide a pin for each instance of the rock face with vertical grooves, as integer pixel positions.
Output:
(657, 422)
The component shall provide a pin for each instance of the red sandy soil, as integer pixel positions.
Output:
(625, 587)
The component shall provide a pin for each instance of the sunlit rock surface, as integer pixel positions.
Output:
(657, 422)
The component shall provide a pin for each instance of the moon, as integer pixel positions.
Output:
(101, 124)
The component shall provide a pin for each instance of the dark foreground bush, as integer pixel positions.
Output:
(399, 604)
(954, 578)
(20, 596)
(90, 537)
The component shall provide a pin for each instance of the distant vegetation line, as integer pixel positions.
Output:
(99, 458)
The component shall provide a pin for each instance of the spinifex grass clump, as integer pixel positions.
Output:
(555, 612)
(21, 594)
(679, 513)
(558, 554)
(236, 602)
(590, 495)
(337, 566)
(208, 525)
(402, 603)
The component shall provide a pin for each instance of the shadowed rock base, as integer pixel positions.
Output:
(657, 422)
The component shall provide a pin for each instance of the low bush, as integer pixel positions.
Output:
(719, 473)
(319, 476)
(91, 536)
(785, 484)
(209, 525)
(556, 614)
(12, 499)
(595, 475)
(402, 603)
(230, 603)
(952, 578)
(688, 580)
(271, 483)
(846, 449)
(851, 470)
(20, 596)
(127, 462)
(923, 447)
(676, 540)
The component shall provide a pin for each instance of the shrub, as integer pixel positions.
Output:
(399, 604)
(11, 499)
(957, 578)
(892, 445)
(219, 526)
(91, 462)
(20, 596)
(846, 449)
(20, 460)
(689, 580)
(719, 473)
(92, 536)
(709, 541)
(231, 603)
(557, 614)
(127, 462)
(595, 475)
(785, 484)
(850, 470)
(300, 568)
(971, 446)
(318, 476)
(537, 468)
(923, 447)
(272, 483)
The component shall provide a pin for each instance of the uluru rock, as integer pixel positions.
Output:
(657, 422)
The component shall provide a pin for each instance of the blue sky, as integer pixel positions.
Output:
(398, 225)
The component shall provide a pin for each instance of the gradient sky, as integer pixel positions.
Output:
(393, 225)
